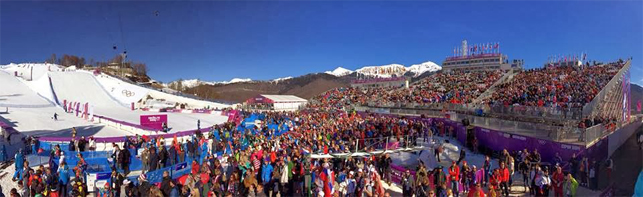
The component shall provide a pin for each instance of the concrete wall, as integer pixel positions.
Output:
(620, 136)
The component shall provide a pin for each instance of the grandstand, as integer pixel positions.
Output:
(547, 103)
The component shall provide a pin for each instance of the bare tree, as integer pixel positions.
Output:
(52, 59)
(140, 69)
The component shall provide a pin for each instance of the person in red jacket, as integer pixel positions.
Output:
(558, 181)
(494, 182)
(454, 173)
(504, 180)
(476, 191)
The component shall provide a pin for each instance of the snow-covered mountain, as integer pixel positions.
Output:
(277, 80)
(389, 70)
(419, 69)
(382, 71)
(190, 83)
(339, 71)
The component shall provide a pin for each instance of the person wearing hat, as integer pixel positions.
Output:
(439, 179)
(143, 188)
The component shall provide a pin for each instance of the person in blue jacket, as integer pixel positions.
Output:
(19, 164)
(266, 172)
(63, 178)
(204, 152)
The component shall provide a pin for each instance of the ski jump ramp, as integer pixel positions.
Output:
(14, 93)
(84, 88)
(32, 114)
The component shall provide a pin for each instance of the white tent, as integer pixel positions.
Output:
(279, 102)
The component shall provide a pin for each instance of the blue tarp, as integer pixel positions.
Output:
(638, 188)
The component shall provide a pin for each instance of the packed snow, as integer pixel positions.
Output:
(16, 94)
(29, 105)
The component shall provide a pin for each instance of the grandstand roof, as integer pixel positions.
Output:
(283, 98)
(272, 98)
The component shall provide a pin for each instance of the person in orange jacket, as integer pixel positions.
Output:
(454, 173)
(504, 180)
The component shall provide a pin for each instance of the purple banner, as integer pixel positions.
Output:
(154, 121)
(397, 172)
(497, 141)
(201, 111)
(174, 110)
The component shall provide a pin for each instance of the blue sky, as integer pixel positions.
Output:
(265, 40)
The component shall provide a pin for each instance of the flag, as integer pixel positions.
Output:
(328, 178)
(584, 56)
(638, 106)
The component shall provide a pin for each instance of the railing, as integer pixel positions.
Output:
(539, 130)
(24, 106)
(589, 107)
(375, 145)
(509, 112)
(509, 74)
(589, 135)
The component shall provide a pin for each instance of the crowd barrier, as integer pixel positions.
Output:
(550, 113)
(186, 111)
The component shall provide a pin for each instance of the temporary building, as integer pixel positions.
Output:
(275, 102)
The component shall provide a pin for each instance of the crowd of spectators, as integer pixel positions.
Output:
(240, 162)
(551, 86)
(562, 87)
(443, 87)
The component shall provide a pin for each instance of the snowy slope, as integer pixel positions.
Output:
(14, 93)
(122, 91)
(25, 70)
(82, 87)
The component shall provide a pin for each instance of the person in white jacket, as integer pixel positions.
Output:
(543, 182)
(92, 144)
